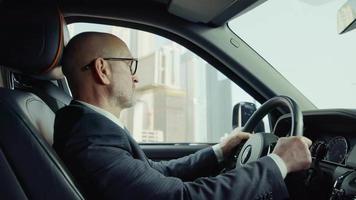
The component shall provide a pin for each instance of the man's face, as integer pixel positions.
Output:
(123, 82)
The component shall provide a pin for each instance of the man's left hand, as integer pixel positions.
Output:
(229, 143)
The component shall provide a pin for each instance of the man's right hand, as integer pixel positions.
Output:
(294, 151)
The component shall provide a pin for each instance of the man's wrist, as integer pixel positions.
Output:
(280, 163)
(218, 153)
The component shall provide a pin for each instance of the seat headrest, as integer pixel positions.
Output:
(31, 39)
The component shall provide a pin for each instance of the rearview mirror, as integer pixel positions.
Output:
(242, 112)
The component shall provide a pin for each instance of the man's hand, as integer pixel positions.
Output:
(294, 151)
(232, 140)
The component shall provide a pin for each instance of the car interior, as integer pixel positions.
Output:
(33, 88)
(30, 168)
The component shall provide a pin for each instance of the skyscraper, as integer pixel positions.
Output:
(218, 94)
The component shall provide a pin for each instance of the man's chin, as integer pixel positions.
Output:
(130, 103)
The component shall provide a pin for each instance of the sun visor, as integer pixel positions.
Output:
(31, 38)
(198, 10)
(214, 12)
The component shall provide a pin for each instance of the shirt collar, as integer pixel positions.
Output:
(103, 112)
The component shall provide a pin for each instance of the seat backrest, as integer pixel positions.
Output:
(13, 189)
(29, 167)
(52, 99)
(39, 172)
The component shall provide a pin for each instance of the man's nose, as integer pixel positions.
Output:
(135, 78)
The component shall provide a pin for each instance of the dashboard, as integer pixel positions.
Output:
(336, 149)
(333, 133)
(335, 129)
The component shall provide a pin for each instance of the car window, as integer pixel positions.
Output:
(300, 40)
(180, 97)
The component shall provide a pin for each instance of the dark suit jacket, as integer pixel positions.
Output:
(109, 164)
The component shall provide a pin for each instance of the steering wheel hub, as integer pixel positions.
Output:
(258, 144)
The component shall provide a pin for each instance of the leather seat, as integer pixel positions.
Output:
(31, 43)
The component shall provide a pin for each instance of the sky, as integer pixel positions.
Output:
(299, 38)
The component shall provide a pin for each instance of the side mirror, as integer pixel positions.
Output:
(241, 114)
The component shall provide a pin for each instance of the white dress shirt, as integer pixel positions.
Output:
(107, 114)
(216, 148)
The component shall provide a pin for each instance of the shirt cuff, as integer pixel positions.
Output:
(218, 153)
(280, 163)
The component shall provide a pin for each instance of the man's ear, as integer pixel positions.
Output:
(102, 71)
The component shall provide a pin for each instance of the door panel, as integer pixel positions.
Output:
(167, 151)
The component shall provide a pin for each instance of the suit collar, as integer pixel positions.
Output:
(101, 111)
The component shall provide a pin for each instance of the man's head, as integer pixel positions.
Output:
(97, 66)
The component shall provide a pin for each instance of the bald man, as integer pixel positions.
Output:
(109, 164)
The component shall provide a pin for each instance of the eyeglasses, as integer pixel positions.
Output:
(131, 62)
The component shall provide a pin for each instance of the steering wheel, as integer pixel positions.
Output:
(261, 144)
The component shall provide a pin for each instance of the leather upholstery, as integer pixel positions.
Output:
(31, 43)
(9, 177)
(51, 94)
(38, 170)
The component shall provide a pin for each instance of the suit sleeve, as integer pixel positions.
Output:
(114, 173)
(200, 164)
(101, 162)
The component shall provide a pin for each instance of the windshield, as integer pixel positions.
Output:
(299, 38)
